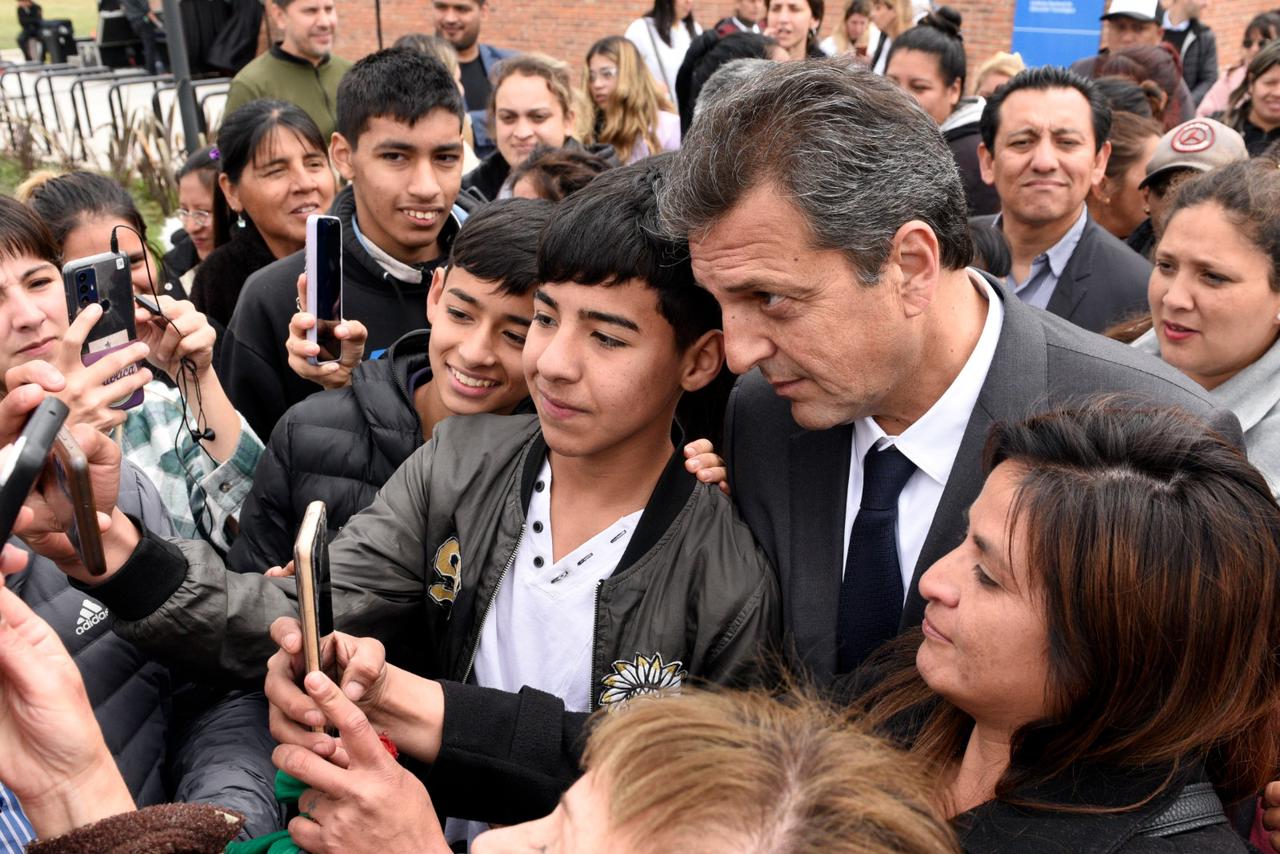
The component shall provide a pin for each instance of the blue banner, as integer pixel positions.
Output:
(1056, 32)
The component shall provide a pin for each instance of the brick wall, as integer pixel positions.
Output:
(567, 28)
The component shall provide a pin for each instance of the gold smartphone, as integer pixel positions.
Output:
(73, 501)
(311, 572)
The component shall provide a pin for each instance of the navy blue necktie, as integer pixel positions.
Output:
(871, 592)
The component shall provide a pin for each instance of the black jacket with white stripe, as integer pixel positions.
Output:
(173, 740)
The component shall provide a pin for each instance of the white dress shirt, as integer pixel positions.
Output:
(931, 443)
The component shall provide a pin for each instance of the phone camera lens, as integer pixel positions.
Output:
(82, 277)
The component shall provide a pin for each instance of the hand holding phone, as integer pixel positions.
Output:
(324, 284)
(315, 601)
(71, 497)
(22, 468)
(104, 280)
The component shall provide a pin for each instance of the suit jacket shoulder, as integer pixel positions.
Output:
(1103, 283)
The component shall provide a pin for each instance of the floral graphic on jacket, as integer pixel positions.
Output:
(646, 675)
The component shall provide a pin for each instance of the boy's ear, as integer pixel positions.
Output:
(340, 151)
(435, 293)
(702, 360)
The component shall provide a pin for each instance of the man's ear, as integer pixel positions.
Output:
(702, 360)
(340, 151)
(918, 256)
(229, 190)
(986, 164)
(438, 276)
(1100, 162)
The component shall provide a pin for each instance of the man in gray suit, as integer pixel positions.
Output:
(825, 215)
(1044, 144)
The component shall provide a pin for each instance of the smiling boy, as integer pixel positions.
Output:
(341, 446)
(399, 142)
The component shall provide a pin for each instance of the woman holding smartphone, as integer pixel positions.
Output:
(186, 436)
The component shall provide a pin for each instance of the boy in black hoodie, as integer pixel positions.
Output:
(341, 446)
(399, 142)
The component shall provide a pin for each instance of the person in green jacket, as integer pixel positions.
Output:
(299, 68)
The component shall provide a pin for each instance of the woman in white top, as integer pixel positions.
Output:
(662, 36)
(892, 18)
(628, 112)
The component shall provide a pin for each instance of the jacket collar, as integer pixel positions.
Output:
(669, 496)
(998, 827)
(1017, 379)
(344, 207)
(278, 51)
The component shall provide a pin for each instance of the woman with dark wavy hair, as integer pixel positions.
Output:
(1099, 653)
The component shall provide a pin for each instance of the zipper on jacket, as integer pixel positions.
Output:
(471, 663)
(591, 674)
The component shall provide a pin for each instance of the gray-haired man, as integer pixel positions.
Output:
(825, 214)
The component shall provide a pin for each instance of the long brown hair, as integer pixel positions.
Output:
(631, 115)
(1154, 547)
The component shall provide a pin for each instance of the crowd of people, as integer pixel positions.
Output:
(745, 442)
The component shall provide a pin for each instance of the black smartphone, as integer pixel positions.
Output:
(311, 573)
(104, 279)
(71, 494)
(324, 284)
(27, 460)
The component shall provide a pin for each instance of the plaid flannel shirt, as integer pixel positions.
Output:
(193, 485)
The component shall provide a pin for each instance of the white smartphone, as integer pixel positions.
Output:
(324, 284)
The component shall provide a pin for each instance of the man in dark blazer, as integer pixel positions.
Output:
(1044, 144)
(859, 328)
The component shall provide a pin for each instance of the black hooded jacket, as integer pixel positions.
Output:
(254, 365)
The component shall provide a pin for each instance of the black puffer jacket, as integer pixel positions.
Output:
(172, 739)
(254, 364)
(340, 446)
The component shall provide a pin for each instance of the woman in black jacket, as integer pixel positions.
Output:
(928, 62)
(273, 173)
(1098, 655)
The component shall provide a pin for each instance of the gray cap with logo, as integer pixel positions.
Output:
(1200, 144)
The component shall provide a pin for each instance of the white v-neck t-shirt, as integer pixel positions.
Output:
(539, 628)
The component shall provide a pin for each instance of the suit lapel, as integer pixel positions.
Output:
(1073, 283)
(1015, 383)
(819, 480)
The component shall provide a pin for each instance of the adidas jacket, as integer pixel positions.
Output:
(172, 739)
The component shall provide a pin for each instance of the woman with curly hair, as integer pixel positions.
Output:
(629, 112)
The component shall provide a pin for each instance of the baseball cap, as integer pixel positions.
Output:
(1200, 144)
(1147, 11)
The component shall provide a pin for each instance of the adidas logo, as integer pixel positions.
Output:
(91, 613)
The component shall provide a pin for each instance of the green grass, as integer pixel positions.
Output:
(83, 15)
(11, 175)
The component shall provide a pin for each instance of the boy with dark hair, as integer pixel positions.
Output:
(570, 552)
(342, 445)
(399, 142)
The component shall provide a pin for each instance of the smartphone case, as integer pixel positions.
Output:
(104, 279)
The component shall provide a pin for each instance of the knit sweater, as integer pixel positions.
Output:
(285, 77)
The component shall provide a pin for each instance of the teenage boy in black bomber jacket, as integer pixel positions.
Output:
(571, 552)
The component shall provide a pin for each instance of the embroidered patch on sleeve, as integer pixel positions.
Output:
(448, 573)
(645, 675)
